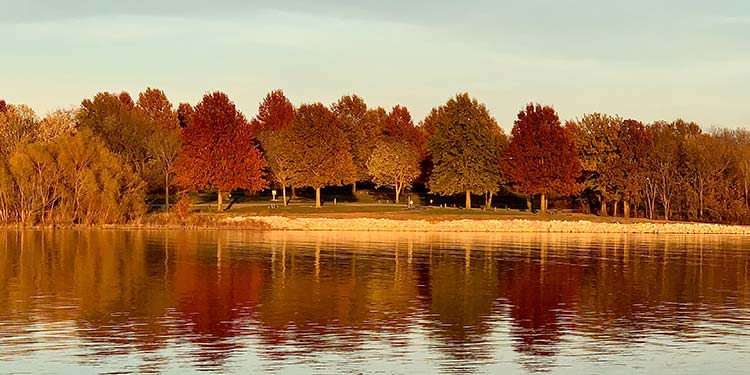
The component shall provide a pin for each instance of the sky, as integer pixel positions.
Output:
(647, 60)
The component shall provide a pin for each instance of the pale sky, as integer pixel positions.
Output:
(648, 60)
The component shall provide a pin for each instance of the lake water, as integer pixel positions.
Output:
(80, 302)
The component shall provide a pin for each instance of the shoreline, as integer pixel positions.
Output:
(281, 223)
(383, 225)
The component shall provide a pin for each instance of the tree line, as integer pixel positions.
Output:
(96, 163)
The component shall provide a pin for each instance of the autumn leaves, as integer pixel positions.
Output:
(146, 146)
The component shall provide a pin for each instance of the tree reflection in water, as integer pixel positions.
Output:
(237, 301)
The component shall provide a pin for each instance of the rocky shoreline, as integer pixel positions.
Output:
(493, 226)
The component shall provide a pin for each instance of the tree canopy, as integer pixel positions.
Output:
(465, 145)
(541, 158)
(218, 151)
(320, 151)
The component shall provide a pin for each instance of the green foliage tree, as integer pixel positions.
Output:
(597, 141)
(541, 157)
(320, 150)
(465, 145)
(394, 163)
(123, 129)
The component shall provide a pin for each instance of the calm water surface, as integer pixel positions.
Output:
(82, 302)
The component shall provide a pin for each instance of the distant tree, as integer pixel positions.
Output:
(8, 193)
(275, 117)
(395, 163)
(278, 147)
(708, 157)
(185, 114)
(400, 127)
(276, 112)
(124, 130)
(351, 115)
(96, 186)
(70, 179)
(667, 159)
(164, 142)
(541, 158)
(126, 99)
(635, 146)
(465, 144)
(217, 150)
(596, 138)
(320, 149)
(36, 175)
(18, 125)
(741, 150)
(57, 123)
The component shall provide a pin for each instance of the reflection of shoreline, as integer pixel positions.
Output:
(494, 226)
(476, 301)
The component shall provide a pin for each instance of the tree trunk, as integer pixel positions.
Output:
(603, 210)
(166, 191)
(543, 204)
(468, 199)
(354, 188)
(219, 206)
(614, 209)
(626, 209)
(317, 197)
(283, 194)
(700, 200)
(488, 201)
(294, 192)
(398, 192)
(528, 203)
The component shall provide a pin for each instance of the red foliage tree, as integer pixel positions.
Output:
(541, 158)
(185, 113)
(275, 113)
(218, 151)
(400, 127)
(126, 99)
(275, 117)
(3, 106)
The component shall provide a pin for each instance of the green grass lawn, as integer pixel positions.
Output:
(371, 204)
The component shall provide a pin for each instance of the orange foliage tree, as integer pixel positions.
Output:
(275, 117)
(541, 158)
(399, 126)
(164, 141)
(356, 121)
(217, 150)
